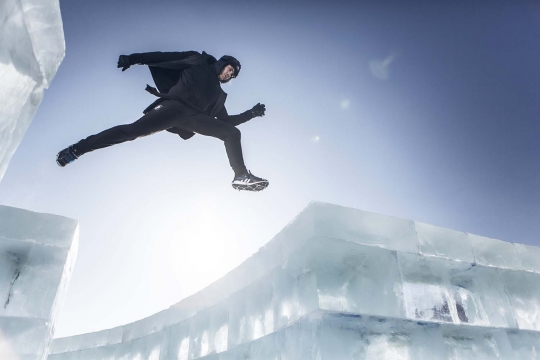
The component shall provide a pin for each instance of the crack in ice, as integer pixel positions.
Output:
(15, 277)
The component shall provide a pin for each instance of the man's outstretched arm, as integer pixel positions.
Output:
(125, 61)
(257, 110)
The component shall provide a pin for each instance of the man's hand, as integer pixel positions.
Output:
(258, 110)
(123, 62)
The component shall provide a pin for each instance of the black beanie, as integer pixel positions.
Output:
(228, 60)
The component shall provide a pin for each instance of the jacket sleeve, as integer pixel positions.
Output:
(234, 119)
(158, 57)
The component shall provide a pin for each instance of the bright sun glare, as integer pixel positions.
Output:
(205, 248)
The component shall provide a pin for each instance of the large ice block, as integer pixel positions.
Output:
(492, 252)
(37, 254)
(451, 244)
(31, 49)
(339, 283)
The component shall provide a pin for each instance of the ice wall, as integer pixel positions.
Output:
(31, 49)
(339, 283)
(37, 254)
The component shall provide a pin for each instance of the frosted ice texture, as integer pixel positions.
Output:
(339, 283)
(37, 254)
(31, 49)
(528, 257)
(492, 252)
(439, 242)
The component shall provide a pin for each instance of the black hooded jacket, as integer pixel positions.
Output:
(190, 78)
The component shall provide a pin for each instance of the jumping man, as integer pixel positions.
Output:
(190, 101)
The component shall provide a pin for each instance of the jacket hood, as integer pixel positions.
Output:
(228, 60)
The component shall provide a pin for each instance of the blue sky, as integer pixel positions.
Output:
(423, 111)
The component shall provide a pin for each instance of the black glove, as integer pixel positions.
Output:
(123, 62)
(258, 110)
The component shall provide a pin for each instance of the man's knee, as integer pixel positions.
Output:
(232, 134)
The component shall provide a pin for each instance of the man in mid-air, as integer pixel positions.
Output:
(190, 101)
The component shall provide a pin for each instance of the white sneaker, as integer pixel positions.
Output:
(249, 182)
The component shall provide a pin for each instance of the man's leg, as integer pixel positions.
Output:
(158, 119)
(209, 126)
(206, 125)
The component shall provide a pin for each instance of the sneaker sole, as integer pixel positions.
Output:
(251, 187)
(60, 163)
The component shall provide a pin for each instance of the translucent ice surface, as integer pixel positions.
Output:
(446, 243)
(340, 283)
(528, 256)
(524, 294)
(357, 279)
(479, 344)
(31, 49)
(37, 254)
(447, 291)
(491, 252)
(37, 251)
(526, 344)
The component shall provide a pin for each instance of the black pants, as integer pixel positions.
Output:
(171, 114)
